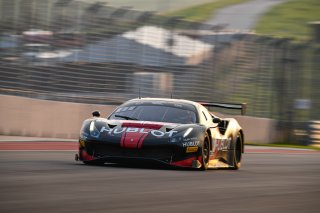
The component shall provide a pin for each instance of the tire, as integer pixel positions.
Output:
(237, 152)
(205, 153)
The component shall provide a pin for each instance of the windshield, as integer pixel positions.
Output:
(158, 113)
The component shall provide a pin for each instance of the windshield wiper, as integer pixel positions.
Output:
(125, 117)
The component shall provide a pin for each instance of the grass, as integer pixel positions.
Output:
(203, 12)
(290, 19)
(283, 145)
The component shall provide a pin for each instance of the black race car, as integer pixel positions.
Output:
(172, 132)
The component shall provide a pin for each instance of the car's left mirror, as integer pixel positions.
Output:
(216, 120)
(96, 114)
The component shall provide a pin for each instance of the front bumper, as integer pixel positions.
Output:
(167, 154)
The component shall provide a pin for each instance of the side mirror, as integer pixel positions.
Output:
(96, 114)
(216, 120)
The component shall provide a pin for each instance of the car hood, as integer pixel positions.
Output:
(131, 133)
(101, 126)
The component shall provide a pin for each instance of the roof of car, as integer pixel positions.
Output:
(181, 101)
(171, 100)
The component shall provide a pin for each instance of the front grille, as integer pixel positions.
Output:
(97, 149)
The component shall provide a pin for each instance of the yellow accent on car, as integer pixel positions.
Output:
(192, 149)
(82, 143)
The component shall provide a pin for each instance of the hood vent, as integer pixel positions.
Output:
(168, 129)
(111, 126)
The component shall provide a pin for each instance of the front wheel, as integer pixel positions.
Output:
(205, 153)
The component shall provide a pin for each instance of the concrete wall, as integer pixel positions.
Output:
(258, 130)
(52, 119)
(41, 118)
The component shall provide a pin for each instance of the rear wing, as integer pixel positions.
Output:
(242, 107)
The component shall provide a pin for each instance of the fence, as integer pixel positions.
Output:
(93, 53)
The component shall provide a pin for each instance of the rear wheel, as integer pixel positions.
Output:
(205, 153)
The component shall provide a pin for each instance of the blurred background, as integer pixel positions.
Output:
(265, 53)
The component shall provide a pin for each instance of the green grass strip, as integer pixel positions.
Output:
(284, 145)
(204, 11)
(290, 19)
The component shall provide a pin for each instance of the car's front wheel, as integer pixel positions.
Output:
(205, 153)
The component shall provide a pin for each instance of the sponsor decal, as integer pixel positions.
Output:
(222, 144)
(156, 133)
(133, 137)
(190, 139)
(192, 149)
(190, 143)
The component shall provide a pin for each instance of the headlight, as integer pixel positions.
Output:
(180, 137)
(94, 132)
(187, 132)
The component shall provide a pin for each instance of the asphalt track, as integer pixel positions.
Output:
(51, 181)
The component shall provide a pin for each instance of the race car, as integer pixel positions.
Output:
(173, 132)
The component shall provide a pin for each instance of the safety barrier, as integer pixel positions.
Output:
(314, 133)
